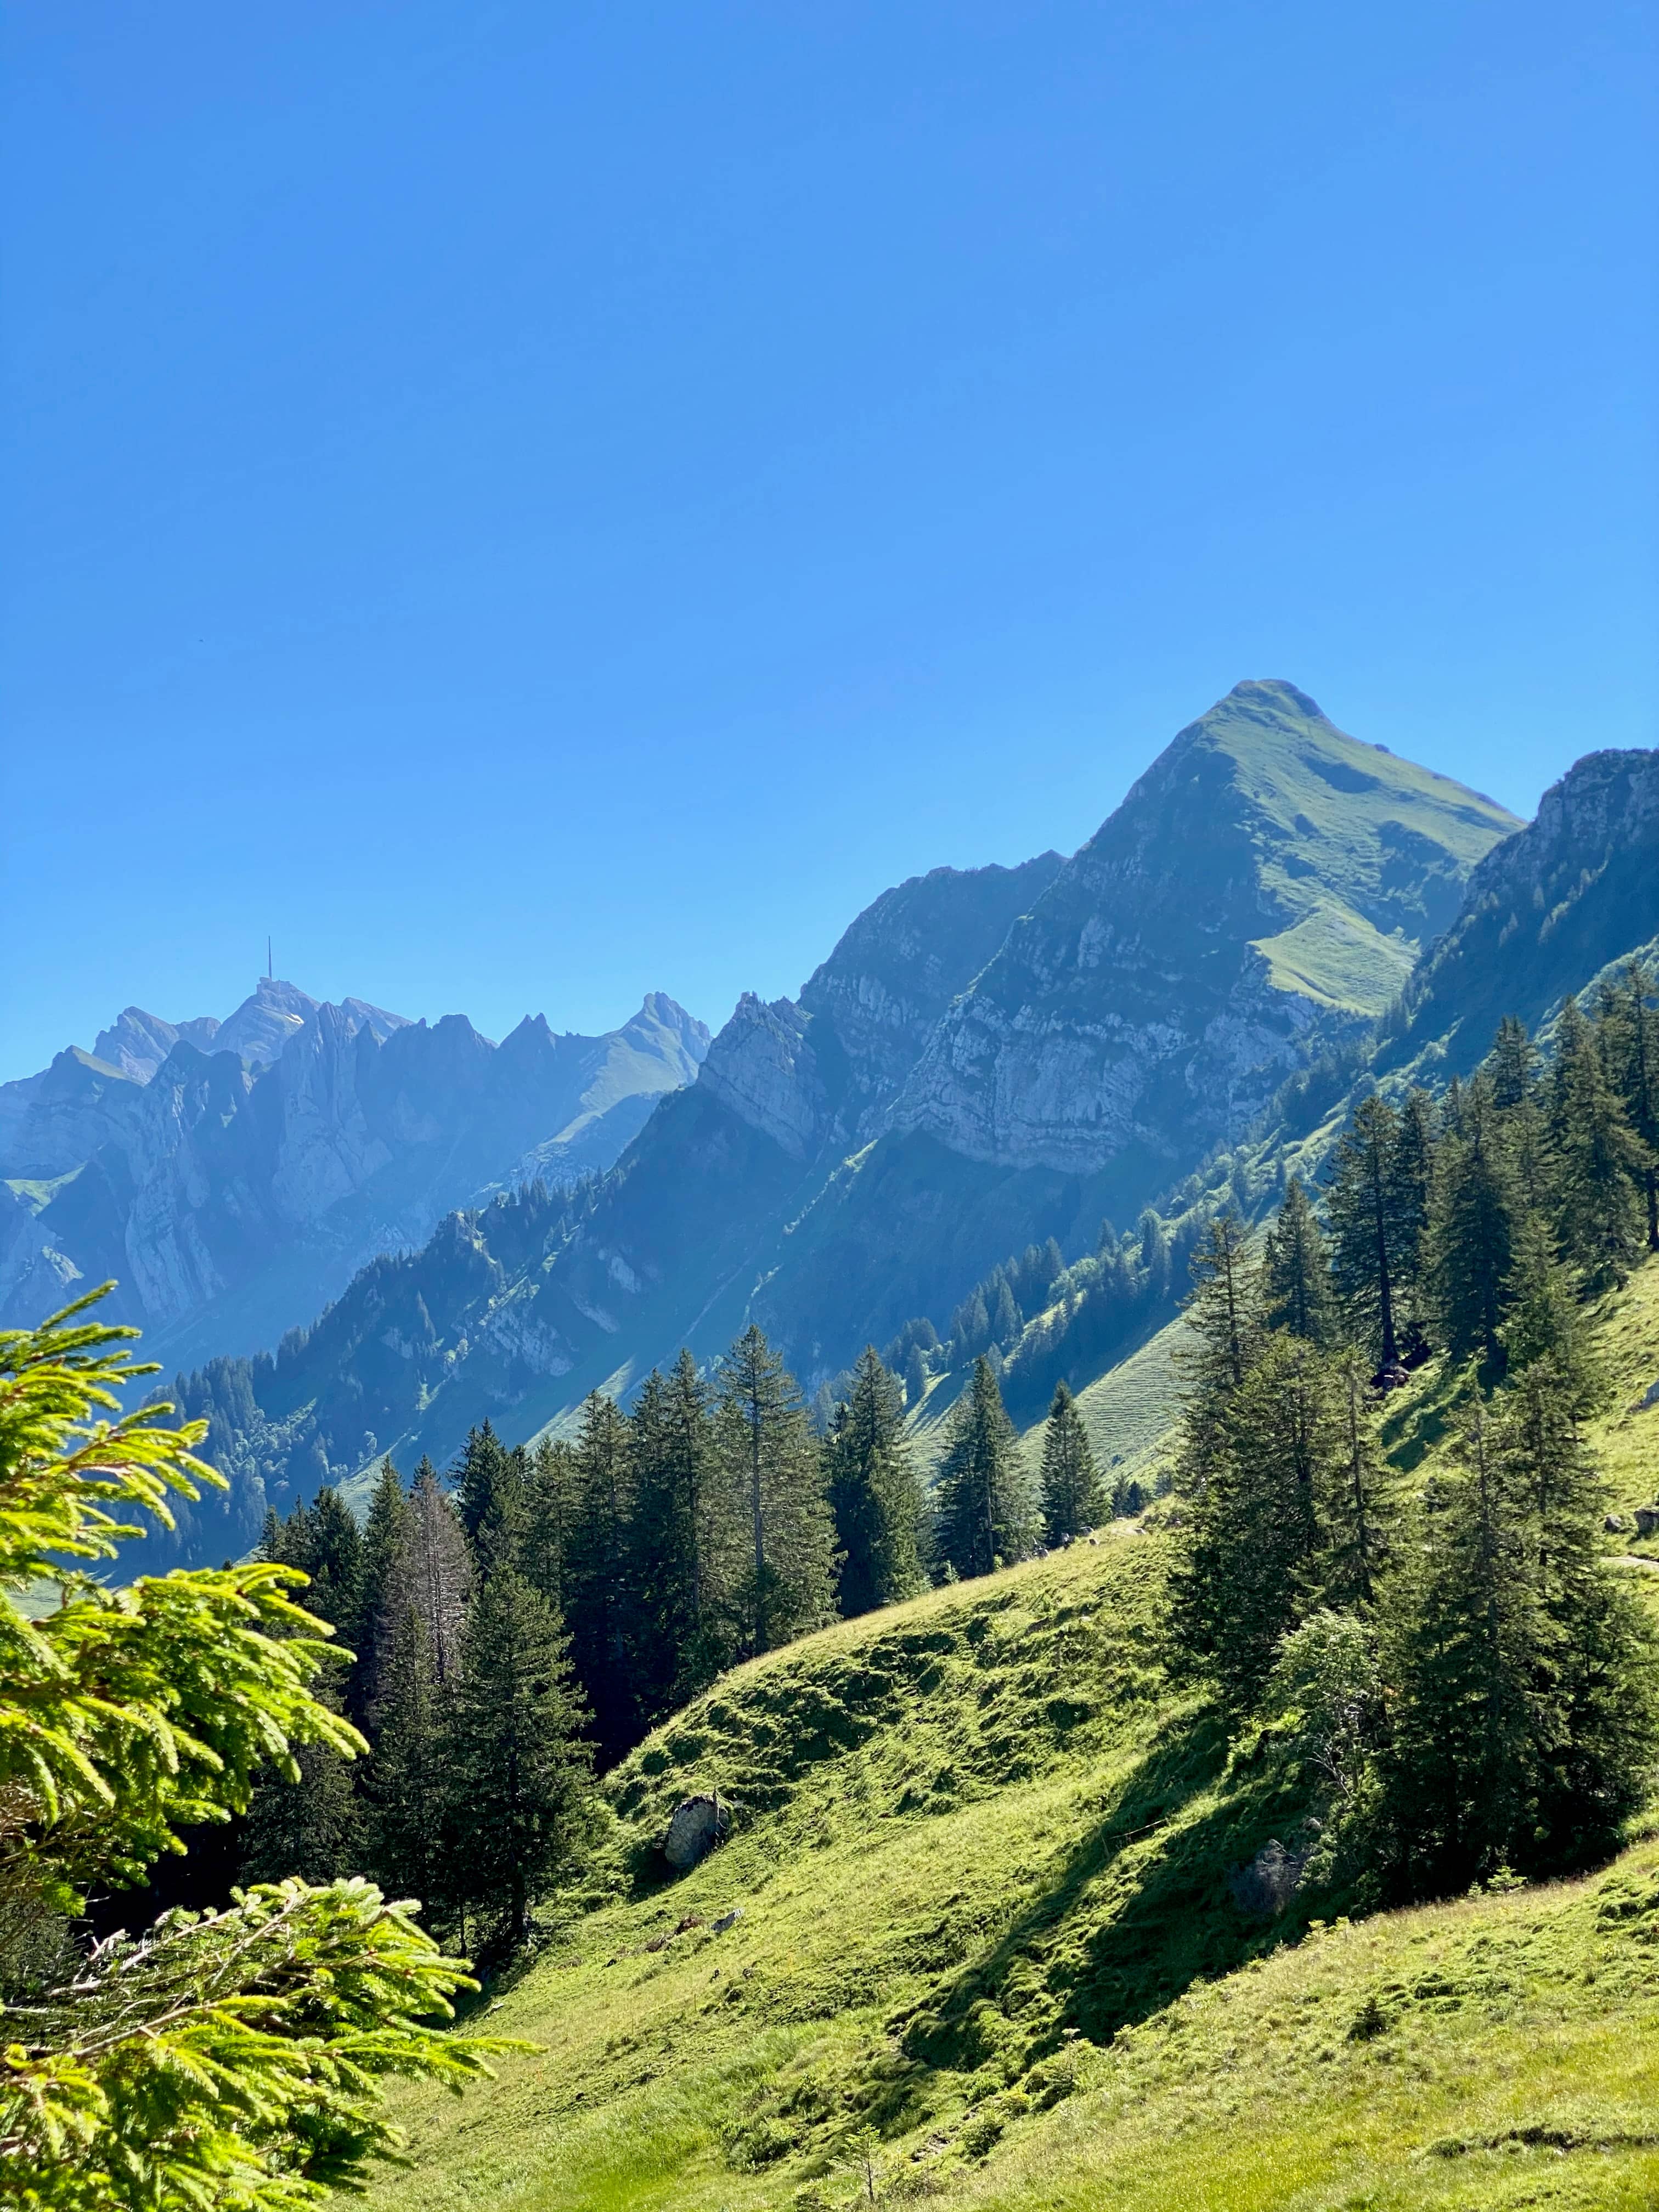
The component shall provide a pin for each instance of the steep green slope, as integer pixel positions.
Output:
(986, 1863)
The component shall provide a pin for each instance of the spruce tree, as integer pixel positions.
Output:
(599, 1595)
(987, 1515)
(1629, 1035)
(406, 1791)
(1296, 1275)
(1004, 1320)
(1221, 1342)
(774, 1476)
(1544, 1320)
(1411, 1199)
(1600, 1164)
(1512, 1066)
(548, 1517)
(683, 1539)
(517, 1770)
(1472, 1228)
(306, 1825)
(1522, 1709)
(1073, 1499)
(1462, 1636)
(874, 1493)
(1253, 1535)
(488, 1484)
(1356, 1504)
(383, 1538)
(1593, 1696)
(1364, 1204)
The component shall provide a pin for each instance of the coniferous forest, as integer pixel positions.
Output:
(1474, 1681)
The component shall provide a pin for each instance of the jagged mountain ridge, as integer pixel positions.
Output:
(786, 1182)
(231, 1192)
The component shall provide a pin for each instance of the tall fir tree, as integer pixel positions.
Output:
(1515, 1095)
(1074, 1498)
(1543, 1319)
(1461, 1634)
(306, 1825)
(1628, 1033)
(599, 1595)
(548, 1517)
(774, 1476)
(874, 1492)
(409, 1846)
(1296, 1274)
(1221, 1342)
(489, 1485)
(684, 1541)
(1473, 1226)
(1411, 1199)
(1365, 1206)
(383, 1536)
(1595, 1737)
(1598, 1162)
(1250, 1567)
(1357, 1506)
(516, 1768)
(987, 1514)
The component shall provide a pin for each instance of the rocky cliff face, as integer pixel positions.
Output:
(1267, 878)
(1545, 910)
(897, 969)
(231, 1192)
(821, 1072)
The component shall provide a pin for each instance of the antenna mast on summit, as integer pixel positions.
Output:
(271, 972)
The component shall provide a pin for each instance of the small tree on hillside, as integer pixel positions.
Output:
(874, 1494)
(772, 1466)
(1073, 1497)
(987, 1514)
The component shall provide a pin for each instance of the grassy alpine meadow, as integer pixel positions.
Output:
(977, 1935)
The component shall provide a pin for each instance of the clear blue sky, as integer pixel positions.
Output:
(532, 503)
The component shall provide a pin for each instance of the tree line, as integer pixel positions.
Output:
(532, 1615)
(1461, 1669)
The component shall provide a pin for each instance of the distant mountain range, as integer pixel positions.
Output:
(234, 1176)
(987, 1058)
